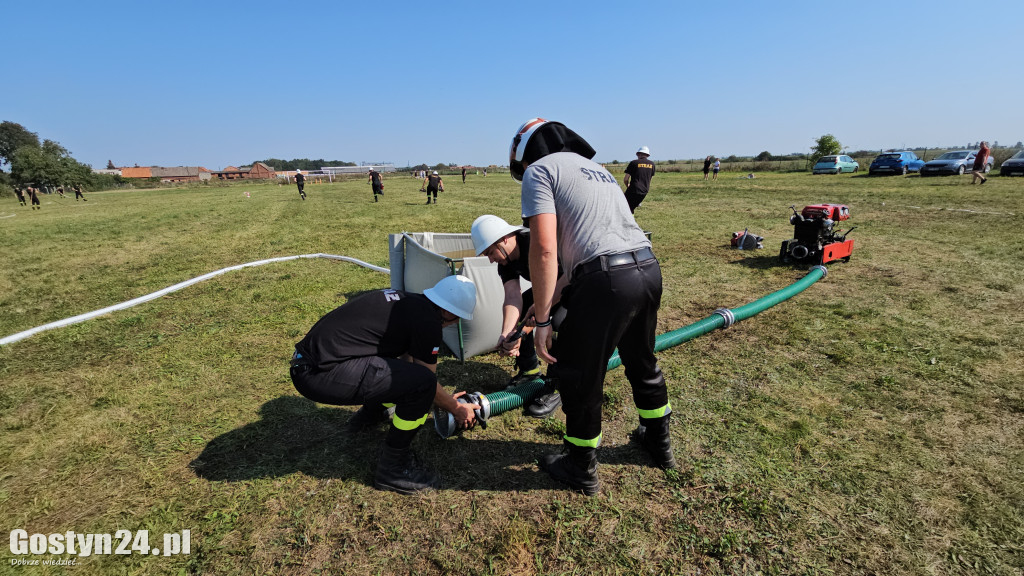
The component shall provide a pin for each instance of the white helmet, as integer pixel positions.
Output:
(456, 294)
(644, 150)
(297, 171)
(488, 229)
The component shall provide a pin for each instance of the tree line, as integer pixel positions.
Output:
(44, 164)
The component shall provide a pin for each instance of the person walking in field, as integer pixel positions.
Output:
(715, 168)
(380, 348)
(34, 195)
(78, 193)
(980, 162)
(638, 178)
(463, 174)
(431, 184)
(580, 222)
(300, 181)
(707, 167)
(376, 182)
(20, 194)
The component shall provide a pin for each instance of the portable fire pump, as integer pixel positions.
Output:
(816, 239)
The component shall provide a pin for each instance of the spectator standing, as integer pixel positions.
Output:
(707, 168)
(715, 168)
(638, 178)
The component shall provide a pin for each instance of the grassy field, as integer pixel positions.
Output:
(870, 425)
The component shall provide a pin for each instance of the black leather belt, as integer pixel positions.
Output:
(613, 260)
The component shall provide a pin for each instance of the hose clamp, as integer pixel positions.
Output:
(824, 271)
(727, 315)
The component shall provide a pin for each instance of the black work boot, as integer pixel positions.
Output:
(575, 466)
(653, 434)
(399, 470)
(368, 416)
(545, 404)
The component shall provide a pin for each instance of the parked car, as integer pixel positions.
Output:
(955, 162)
(835, 164)
(895, 162)
(1013, 166)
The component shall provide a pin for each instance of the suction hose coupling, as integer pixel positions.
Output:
(824, 271)
(444, 422)
(726, 315)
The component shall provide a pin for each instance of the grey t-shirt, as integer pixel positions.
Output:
(593, 216)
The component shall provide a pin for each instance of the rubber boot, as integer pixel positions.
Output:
(575, 466)
(653, 434)
(399, 470)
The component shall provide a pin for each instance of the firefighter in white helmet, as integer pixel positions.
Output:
(638, 178)
(378, 349)
(509, 247)
(579, 220)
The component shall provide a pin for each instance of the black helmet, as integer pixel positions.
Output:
(537, 138)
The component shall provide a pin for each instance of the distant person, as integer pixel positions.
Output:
(78, 193)
(463, 174)
(707, 168)
(485, 172)
(300, 181)
(980, 162)
(376, 183)
(638, 178)
(431, 184)
(34, 195)
(715, 168)
(20, 194)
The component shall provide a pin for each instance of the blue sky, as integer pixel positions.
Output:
(219, 83)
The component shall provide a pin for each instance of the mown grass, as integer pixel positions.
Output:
(870, 425)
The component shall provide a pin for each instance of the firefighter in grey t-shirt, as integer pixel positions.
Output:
(576, 212)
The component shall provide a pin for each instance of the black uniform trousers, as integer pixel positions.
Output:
(608, 307)
(372, 381)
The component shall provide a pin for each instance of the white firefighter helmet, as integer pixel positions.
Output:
(644, 150)
(488, 229)
(456, 294)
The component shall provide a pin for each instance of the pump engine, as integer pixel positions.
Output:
(816, 239)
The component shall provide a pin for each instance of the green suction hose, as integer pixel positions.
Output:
(723, 317)
(512, 398)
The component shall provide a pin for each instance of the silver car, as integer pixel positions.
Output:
(955, 162)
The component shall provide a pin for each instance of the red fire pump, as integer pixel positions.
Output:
(816, 240)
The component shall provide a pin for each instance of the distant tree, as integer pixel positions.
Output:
(48, 165)
(825, 146)
(110, 165)
(441, 166)
(12, 137)
(763, 156)
(732, 158)
(1019, 144)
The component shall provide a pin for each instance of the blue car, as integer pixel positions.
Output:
(955, 162)
(895, 162)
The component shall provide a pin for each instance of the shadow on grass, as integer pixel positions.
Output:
(296, 435)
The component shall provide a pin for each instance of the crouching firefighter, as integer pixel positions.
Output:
(579, 219)
(509, 247)
(380, 349)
